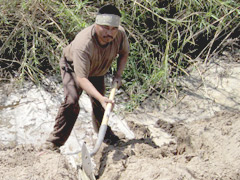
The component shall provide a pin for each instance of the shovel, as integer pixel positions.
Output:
(86, 156)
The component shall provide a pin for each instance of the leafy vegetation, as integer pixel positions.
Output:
(33, 34)
(165, 38)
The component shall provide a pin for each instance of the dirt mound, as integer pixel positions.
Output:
(26, 162)
(206, 149)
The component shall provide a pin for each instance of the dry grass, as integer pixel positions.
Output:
(165, 38)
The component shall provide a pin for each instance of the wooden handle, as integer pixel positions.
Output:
(103, 127)
(109, 105)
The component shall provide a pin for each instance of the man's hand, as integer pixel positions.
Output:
(87, 86)
(104, 101)
(118, 80)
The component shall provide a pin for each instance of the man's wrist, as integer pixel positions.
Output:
(118, 75)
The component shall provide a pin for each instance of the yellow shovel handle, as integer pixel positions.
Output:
(109, 105)
(103, 127)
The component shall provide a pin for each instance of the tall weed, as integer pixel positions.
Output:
(165, 38)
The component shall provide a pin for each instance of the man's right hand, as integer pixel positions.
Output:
(104, 101)
(88, 87)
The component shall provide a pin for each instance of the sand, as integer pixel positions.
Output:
(195, 137)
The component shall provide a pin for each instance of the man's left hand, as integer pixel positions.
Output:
(118, 80)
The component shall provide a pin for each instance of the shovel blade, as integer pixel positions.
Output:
(87, 163)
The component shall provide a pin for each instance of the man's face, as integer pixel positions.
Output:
(105, 34)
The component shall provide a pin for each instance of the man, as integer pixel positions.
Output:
(84, 63)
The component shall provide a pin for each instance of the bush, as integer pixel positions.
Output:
(34, 32)
(165, 38)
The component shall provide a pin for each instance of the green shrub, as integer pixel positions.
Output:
(165, 38)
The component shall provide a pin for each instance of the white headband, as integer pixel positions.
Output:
(108, 19)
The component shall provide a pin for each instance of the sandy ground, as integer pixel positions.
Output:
(196, 137)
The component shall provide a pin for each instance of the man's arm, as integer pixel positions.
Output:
(121, 63)
(88, 87)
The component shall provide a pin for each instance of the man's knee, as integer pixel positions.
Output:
(72, 98)
(71, 104)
